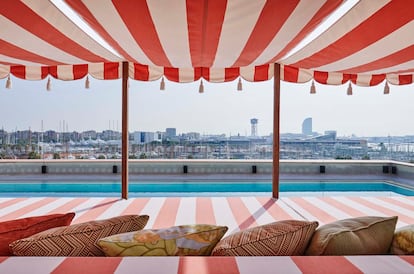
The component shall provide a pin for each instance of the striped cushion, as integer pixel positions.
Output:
(366, 235)
(283, 238)
(78, 239)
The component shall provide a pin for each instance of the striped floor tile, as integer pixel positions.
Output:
(208, 265)
(235, 212)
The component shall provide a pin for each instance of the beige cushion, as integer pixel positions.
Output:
(403, 242)
(78, 239)
(367, 235)
(283, 238)
(196, 240)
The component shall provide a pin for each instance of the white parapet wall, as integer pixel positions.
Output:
(288, 168)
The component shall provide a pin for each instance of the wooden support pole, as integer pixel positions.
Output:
(125, 133)
(276, 131)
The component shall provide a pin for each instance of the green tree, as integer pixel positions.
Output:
(33, 155)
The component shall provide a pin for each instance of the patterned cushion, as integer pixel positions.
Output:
(197, 240)
(11, 231)
(368, 235)
(403, 242)
(78, 239)
(283, 238)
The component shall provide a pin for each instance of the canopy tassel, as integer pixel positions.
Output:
(201, 88)
(386, 88)
(349, 91)
(313, 88)
(8, 83)
(49, 85)
(162, 84)
(87, 84)
(239, 85)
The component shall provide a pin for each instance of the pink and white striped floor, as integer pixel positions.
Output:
(235, 212)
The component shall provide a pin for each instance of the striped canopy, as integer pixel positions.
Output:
(216, 40)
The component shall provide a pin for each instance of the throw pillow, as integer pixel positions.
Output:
(368, 235)
(196, 240)
(78, 239)
(11, 231)
(403, 242)
(283, 238)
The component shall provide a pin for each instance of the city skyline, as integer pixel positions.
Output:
(368, 112)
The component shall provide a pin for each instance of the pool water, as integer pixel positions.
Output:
(141, 189)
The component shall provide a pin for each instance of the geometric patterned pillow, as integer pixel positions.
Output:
(366, 235)
(282, 238)
(185, 240)
(403, 242)
(13, 230)
(77, 239)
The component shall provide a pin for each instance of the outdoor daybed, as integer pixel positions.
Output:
(52, 236)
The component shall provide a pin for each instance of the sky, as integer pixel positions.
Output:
(221, 109)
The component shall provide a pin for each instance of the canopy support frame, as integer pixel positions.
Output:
(276, 131)
(125, 134)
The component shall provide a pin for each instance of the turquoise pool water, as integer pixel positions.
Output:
(194, 188)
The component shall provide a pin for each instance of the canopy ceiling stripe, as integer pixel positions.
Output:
(36, 32)
(374, 37)
(193, 34)
(367, 40)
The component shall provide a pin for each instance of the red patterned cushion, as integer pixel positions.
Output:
(76, 240)
(11, 231)
(283, 238)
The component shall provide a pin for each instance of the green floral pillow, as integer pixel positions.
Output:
(185, 240)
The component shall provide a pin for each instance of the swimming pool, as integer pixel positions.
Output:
(151, 189)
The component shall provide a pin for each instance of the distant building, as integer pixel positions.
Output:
(89, 134)
(253, 123)
(170, 133)
(307, 126)
(331, 133)
(190, 136)
(159, 136)
(141, 137)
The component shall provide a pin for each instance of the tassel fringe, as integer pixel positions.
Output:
(8, 83)
(313, 88)
(87, 84)
(349, 90)
(239, 85)
(201, 88)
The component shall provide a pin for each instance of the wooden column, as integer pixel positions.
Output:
(125, 133)
(276, 131)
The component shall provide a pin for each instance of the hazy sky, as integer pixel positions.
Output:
(220, 109)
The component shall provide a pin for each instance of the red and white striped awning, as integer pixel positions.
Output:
(214, 40)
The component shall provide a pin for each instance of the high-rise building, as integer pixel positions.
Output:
(170, 132)
(253, 123)
(142, 137)
(307, 126)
